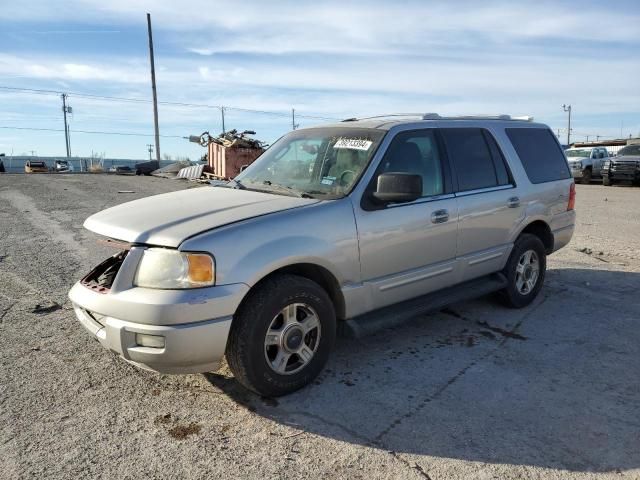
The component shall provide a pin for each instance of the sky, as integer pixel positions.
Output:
(327, 59)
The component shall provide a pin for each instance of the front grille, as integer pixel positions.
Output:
(101, 278)
(622, 166)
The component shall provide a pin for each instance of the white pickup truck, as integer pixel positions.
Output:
(586, 162)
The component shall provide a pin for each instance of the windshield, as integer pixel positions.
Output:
(578, 153)
(317, 162)
(630, 150)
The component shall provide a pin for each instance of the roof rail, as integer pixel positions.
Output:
(436, 116)
(387, 115)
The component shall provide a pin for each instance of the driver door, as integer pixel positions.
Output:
(409, 249)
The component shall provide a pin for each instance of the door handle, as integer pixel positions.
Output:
(513, 202)
(439, 216)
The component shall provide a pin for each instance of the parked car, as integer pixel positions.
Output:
(395, 216)
(120, 169)
(63, 166)
(145, 168)
(586, 162)
(625, 166)
(33, 166)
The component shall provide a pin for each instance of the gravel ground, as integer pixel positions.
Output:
(475, 391)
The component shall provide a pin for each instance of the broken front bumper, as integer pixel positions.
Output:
(168, 331)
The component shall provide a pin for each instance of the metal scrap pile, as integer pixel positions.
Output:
(233, 139)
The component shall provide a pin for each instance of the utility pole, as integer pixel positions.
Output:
(294, 125)
(567, 108)
(65, 110)
(153, 88)
(149, 149)
(222, 109)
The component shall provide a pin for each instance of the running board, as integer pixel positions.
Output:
(402, 312)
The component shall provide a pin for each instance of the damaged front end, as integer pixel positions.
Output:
(102, 277)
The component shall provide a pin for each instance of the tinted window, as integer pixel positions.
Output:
(471, 158)
(416, 152)
(541, 157)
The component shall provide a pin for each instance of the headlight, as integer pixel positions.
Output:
(163, 268)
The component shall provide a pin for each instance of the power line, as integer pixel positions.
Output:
(97, 132)
(178, 104)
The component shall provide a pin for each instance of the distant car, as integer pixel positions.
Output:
(35, 167)
(624, 166)
(586, 162)
(145, 168)
(63, 166)
(120, 169)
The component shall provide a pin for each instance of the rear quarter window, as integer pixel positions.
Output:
(540, 154)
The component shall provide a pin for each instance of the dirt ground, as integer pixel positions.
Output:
(475, 391)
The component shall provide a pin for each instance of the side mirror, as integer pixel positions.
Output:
(397, 187)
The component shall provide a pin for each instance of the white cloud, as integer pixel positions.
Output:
(53, 67)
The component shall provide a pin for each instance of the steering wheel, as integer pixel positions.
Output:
(342, 180)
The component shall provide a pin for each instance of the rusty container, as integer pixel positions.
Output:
(226, 162)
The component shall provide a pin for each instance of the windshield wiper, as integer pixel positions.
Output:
(285, 189)
(236, 185)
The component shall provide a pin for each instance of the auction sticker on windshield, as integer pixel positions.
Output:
(353, 143)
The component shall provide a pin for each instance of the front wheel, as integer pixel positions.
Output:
(525, 271)
(586, 176)
(281, 336)
(607, 182)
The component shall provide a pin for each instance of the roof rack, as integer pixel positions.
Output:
(387, 115)
(436, 116)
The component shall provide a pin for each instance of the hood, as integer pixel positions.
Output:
(626, 158)
(169, 219)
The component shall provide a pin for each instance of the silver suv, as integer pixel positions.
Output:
(347, 227)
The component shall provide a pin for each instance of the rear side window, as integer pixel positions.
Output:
(472, 151)
(541, 157)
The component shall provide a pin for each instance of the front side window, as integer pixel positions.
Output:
(471, 157)
(319, 162)
(415, 152)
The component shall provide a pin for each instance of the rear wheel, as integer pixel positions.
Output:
(525, 271)
(281, 336)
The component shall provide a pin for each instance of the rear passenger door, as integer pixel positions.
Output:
(489, 208)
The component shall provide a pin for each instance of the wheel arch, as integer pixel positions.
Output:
(316, 273)
(540, 229)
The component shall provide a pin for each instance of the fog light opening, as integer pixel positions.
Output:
(151, 341)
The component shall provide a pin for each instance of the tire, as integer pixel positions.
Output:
(138, 172)
(254, 354)
(586, 176)
(607, 182)
(514, 295)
